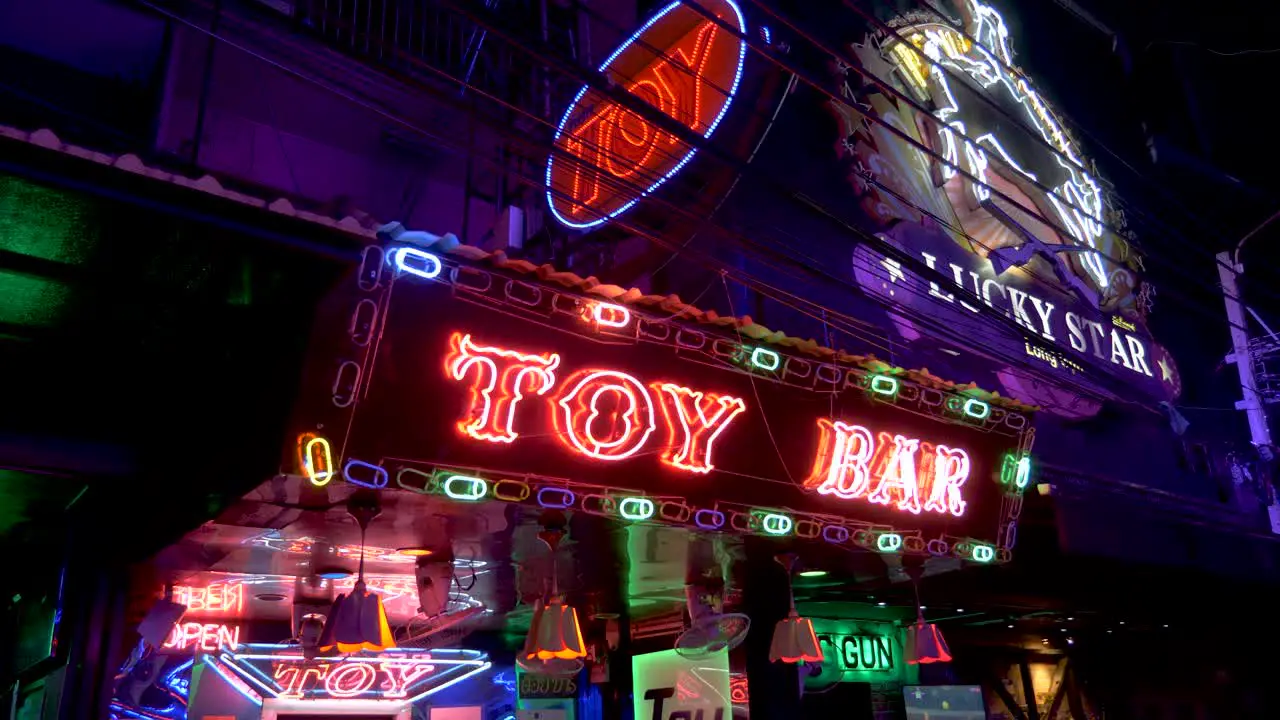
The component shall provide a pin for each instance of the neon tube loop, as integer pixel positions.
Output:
(318, 461)
(708, 519)
(938, 547)
(465, 487)
(776, 524)
(636, 509)
(982, 553)
(676, 512)
(556, 498)
(808, 529)
(404, 476)
(369, 475)
(595, 504)
(417, 262)
(889, 542)
(835, 534)
(520, 494)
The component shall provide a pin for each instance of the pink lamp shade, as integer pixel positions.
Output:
(554, 633)
(794, 640)
(356, 622)
(925, 642)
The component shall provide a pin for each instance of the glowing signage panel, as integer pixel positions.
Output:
(401, 674)
(206, 637)
(607, 156)
(509, 390)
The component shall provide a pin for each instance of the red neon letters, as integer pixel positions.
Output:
(501, 377)
(351, 678)
(694, 421)
(604, 414)
(218, 598)
(851, 464)
(610, 415)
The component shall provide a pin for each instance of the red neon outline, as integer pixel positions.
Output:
(400, 675)
(489, 419)
(894, 470)
(895, 466)
(950, 471)
(218, 598)
(296, 685)
(681, 408)
(842, 465)
(573, 424)
(335, 681)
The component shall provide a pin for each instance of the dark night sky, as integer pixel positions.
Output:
(1214, 141)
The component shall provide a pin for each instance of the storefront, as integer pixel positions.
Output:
(473, 412)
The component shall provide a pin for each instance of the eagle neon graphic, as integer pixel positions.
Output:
(1082, 254)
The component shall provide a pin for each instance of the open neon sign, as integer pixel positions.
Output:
(207, 637)
(609, 415)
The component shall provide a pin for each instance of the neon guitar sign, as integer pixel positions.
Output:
(612, 416)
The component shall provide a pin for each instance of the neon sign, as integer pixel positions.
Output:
(530, 394)
(216, 599)
(207, 637)
(402, 674)
(606, 156)
(602, 414)
(609, 415)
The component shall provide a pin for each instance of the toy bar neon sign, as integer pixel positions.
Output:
(610, 415)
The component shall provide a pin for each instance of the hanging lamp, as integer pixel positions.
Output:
(793, 638)
(357, 621)
(554, 643)
(924, 640)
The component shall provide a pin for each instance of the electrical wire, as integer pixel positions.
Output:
(296, 73)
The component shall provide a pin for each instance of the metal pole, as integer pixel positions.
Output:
(1229, 273)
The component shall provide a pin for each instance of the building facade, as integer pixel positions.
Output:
(768, 343)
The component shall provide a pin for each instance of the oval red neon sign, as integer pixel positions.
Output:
(607, 157)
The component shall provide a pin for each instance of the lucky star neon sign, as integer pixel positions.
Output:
(1078, 200)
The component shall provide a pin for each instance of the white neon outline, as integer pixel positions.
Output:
(627, 383)
(467, 354)
(727, 408)
(598, 315)
(900, 472)
(472, 494)
(847, 457)
(951, 468)
(637, 517)
(733, 91)
(366, 668)
(397, 257)
(477, 664)
(777, 358)
(256, 699)
(1080, 189)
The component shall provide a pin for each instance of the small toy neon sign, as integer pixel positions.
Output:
(401, 674)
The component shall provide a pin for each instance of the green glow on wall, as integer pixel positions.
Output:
(45, 224)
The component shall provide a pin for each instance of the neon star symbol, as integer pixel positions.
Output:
(1166, 372)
